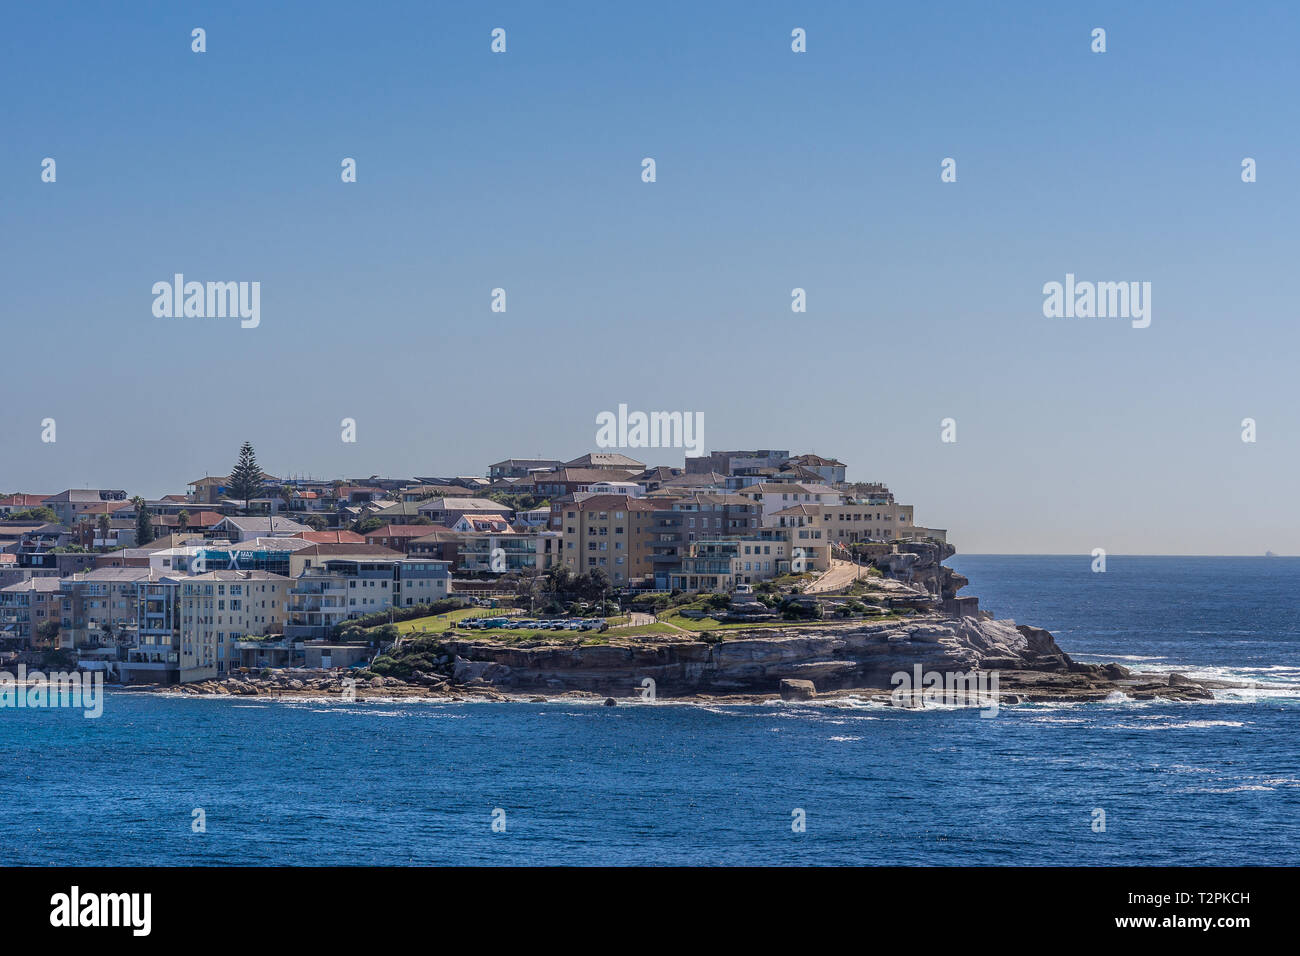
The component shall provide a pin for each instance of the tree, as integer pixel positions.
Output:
(559, 579)
(183, 521)
(316, 522)
(47, 634)
(105, 527)
(34, 514)
(598, 584)
(143, 523)
(246, 477)
(530, 583)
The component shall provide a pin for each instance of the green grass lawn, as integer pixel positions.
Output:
(713, 624)
(437, 623)
(442, 624)
(658, 627)
(512, 635)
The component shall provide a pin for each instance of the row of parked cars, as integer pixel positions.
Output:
(528, 623)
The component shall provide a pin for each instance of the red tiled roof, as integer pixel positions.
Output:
(21, 500)
(400, 531)
(331, 537)
(200, 519)
(612, 503)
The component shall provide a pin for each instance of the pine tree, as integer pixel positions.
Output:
(246, 477)
(143, 523)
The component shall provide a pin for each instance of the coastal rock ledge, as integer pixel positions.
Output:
(797, 664)
(834, 657)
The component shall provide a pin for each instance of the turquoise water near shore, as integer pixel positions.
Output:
(307, 782)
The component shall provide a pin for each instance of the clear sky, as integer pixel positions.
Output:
(775, 170)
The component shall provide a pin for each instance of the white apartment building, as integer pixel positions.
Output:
(219, 608)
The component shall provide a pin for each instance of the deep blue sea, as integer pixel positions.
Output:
(388, 783)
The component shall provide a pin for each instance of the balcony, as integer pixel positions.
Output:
(308, 632)
(706, 567)
(321, 589)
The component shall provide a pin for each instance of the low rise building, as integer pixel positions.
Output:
(719, 564)
(774, 496)
(340, 589)
(72, 504)
(447, 511)
(520, 467)
(239, 529)
(851, 523)
(397, 537)
(501, 553)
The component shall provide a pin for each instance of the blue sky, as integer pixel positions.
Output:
(775, 170)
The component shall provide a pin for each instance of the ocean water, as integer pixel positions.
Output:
(311, 782)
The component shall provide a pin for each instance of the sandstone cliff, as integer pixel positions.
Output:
(862, 655)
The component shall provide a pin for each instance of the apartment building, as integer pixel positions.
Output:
(802, 527)
(440, 544)
(72, 504)
(719, 564)
(316, 555)
(851, 523)
(218, 609)
(570, 481)
(510, 551)
(24, 606)
(610, 532)
(520, 467)
(775, 496)
(155, 656)
(679, 523)
(102, 606)
(342, 588)
(737, 462)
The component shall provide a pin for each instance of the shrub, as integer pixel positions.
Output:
(58, 659)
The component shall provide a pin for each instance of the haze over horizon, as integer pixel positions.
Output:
(775, 170)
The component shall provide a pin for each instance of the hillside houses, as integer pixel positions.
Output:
(222, 581)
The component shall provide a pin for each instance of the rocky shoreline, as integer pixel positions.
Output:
(827, 662)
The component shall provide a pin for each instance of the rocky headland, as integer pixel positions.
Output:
(799, 662)
(921, 627)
